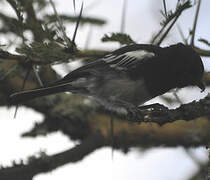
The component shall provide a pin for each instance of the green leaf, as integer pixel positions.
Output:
(118, 37)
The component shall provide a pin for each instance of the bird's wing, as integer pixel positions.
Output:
(130, 56)
(121, 59)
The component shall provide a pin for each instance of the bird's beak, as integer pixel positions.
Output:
(201, 86)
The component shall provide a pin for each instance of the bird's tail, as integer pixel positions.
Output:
(22, 96)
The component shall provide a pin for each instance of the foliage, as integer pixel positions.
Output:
(48, 53)
(123, 39)
(180, 7)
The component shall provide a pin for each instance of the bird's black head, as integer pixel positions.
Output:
(190, 67)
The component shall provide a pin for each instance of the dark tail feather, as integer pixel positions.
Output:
(22, 96)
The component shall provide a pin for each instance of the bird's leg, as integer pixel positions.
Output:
(155, 106)
(131, 111)
(112, 135)
(134, 114)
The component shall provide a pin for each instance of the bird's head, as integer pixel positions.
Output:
(190, 66)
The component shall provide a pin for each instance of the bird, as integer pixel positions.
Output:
(126, 78)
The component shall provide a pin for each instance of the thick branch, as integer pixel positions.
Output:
(202, 52)
(69, 114)
(4, 55)
(185, 112)
(48, 163)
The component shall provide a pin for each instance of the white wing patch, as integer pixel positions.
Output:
(127, 58)
(139, 54)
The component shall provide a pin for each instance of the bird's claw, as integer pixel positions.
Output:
(135, 115)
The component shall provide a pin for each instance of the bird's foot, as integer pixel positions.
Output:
(155, 107)
(134, 114)
(127, 110)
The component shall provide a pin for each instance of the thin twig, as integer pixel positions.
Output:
(202, 52)
(16, 7)
(74, 4)
(122, 27)
(157, 35)
(11, 69)
(165, 10)
(182, 34)
(77, 25)
(167, 31)
(23, 85)
(195, 23)
(68, 42)
(37, 76)
(179, 9)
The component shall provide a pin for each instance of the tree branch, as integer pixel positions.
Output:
(38, 60)
(69, 114)
(195, 23)
(48, 163)
(202, 52)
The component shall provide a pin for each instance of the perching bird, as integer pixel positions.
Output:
(128, 77)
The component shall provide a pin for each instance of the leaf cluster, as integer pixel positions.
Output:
(123, 39)
(47, 53)
(180, 7)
